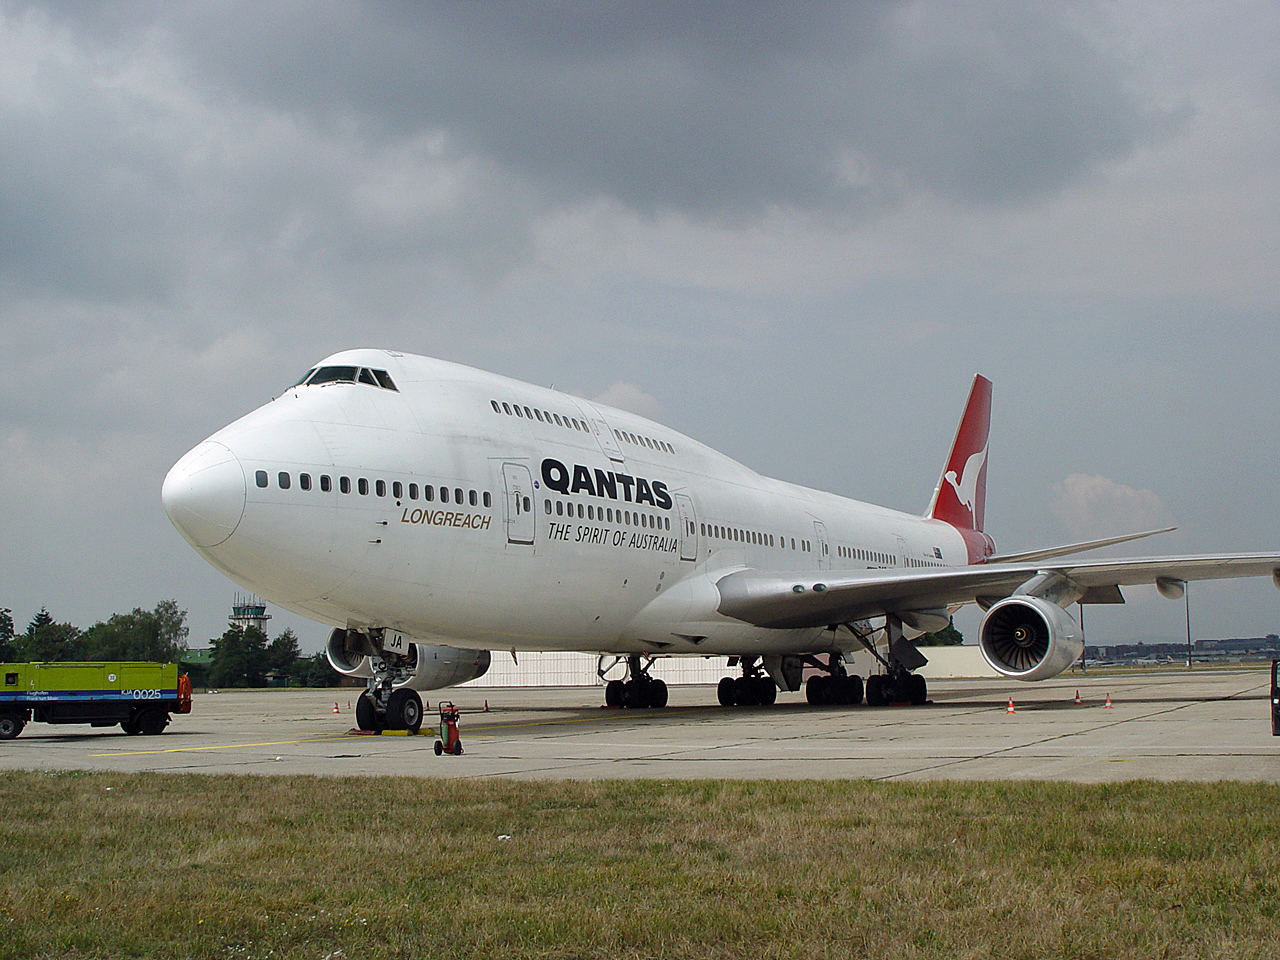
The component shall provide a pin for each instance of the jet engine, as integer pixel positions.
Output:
(1029, 638)
(425, 667)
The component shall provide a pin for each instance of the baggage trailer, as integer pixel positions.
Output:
(138, 696)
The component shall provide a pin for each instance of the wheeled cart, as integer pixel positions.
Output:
(449, 741)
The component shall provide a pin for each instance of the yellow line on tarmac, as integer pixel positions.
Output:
(221, 746)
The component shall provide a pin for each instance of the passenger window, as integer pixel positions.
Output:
(559, 508)
(344, 484)
(488, 500)
(457, 495)
(472, 498)
(518, 413)
(284, 480)
(496, 408)
(547, 504)
(538, 413)
(397, 489)
(260, 478)
(428, 493)
(304, 481)
(380, 487)
(326, 483)
(528, 413)
(556, 417)
(413, 491)
(506, 409)
(444, 495)
(362, 485)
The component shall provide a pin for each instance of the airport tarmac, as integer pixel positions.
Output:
(1169, 725)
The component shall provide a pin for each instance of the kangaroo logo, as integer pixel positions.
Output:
(966, 485)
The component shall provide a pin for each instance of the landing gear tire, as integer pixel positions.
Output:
(366, 715)
(657, 693)
(917, 690)
(642, 693)
(726, 692)
(614, 692)
(404, 710)
(877, 695)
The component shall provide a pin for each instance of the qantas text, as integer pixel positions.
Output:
(601, 483)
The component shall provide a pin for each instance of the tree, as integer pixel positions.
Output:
(284, 653)
(7, 651)
(315, 671)
(156, 635)
(240, 658)
(948, 636)
(48, 642)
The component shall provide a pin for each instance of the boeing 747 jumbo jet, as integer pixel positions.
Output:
(430, 513)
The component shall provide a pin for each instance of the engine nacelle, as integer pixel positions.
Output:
(426, 667)
(1029, 638)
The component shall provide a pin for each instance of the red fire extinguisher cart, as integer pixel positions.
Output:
(449, 741)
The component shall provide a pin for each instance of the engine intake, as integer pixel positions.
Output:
(1029, 638)
(426, 667)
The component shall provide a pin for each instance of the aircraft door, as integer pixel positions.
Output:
(603, 432)
(823, 549)
(520, 520)
(688, 527)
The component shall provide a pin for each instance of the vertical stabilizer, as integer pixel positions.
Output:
(961, 496)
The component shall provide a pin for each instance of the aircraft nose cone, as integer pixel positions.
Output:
(204, 494)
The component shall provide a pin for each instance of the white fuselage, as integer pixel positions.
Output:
(563, 524)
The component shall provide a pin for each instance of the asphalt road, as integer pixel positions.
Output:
(1172, 725)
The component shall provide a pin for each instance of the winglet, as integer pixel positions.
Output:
(960, 498)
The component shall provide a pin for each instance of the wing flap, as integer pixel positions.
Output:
(784, 600)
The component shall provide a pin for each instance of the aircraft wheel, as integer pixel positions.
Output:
(743, 692)
(854, 688)
(725, 692)
(917, 690)
(614, 693)
(404, 710)
(657, 693)
(767, 691)
(366, 715)
(876, 691)
(11, 725)
(816, 690)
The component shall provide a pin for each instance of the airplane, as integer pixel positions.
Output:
(431, 512)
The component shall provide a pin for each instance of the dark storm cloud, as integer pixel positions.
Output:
(708, 108)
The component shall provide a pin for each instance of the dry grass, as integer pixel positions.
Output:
(102, 865)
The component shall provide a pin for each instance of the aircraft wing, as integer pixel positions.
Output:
(821, 598)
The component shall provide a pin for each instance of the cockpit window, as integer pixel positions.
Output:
(333, 375)
(302, 379)
(374, 378)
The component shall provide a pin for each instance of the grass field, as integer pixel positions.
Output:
(104, 865)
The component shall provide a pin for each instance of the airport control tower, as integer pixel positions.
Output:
(249, 611)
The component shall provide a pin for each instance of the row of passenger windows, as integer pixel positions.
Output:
(628, 518)
(379, 488)
(642, 441)
(542, 416)
(573, 423)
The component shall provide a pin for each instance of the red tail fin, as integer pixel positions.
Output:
(961, 496)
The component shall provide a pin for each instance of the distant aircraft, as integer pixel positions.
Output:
(431, 512)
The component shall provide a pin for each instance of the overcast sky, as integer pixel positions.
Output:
(791, 230)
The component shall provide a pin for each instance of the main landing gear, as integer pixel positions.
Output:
(835, 687)
(638, 691)
(897, 684)
(755, 688)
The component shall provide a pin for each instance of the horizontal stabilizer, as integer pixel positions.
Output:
(1066, 550)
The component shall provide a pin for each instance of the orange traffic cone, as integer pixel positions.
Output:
(335, 707)
(1009, 709)
(486, 706)
(1107, 705)
(1077, 699)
